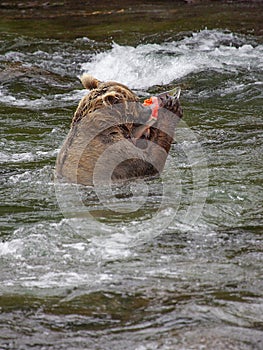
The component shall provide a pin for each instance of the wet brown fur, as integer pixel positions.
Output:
(107, 115)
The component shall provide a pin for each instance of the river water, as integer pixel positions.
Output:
(183, 270)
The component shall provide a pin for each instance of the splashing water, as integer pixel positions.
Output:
(196, 277)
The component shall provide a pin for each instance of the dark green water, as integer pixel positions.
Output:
(184, 270)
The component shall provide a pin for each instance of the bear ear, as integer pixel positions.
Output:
(89, 82)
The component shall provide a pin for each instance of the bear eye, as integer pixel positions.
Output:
(113, 133)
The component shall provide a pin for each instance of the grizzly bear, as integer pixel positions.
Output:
(115, 137)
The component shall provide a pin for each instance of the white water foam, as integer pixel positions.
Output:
(12, 248)
(152, 64)
(143, 66)
(26, 156)
(40, 258)
(44, 102)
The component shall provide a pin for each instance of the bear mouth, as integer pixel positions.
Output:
(142, 130)
(137, 134)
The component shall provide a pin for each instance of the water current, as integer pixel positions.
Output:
(181, 271)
